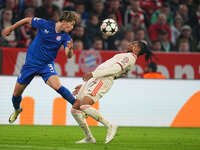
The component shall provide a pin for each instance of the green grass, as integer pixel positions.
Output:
(14, 137)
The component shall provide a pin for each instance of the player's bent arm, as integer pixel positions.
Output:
(107, 71)
(8, 30)
(21, 22)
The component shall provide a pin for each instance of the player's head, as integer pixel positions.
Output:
(68, 20)
(140, 48)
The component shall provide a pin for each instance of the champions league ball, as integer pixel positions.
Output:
(109, 27)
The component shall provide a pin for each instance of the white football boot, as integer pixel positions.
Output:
(14, 115)
(86, 140)
(111, 131)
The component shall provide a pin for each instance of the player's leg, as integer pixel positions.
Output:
(50, 77)
(86, 107)
(18, 90)
(54, 82)
(78, 116)
(23, 80)
(16, 100)
(94, 90)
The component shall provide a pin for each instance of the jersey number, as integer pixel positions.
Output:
(51, 67)
(125, 60)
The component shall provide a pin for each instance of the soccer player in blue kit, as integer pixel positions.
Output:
(41, 54)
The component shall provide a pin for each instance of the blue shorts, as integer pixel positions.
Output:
(29, 71)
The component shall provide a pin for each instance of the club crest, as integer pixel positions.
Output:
(58, 38)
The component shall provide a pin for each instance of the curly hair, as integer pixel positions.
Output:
(70, 16)
(145, 50)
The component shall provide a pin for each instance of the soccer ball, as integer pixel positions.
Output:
(109, 27)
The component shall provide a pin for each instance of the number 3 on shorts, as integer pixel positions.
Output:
(51, 67)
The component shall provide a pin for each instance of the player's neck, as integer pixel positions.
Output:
(58, 27)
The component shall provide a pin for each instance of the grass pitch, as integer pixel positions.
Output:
(15, 137)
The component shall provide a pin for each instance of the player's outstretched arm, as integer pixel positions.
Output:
(7, 31)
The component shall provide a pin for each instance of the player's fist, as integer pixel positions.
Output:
(70, 47)
(70, 53)
(5, 32)
(87, 76)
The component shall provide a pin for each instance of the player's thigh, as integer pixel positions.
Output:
(95, 89)
(87, 100)
(54, 82)
(49, 75)
(26, 75)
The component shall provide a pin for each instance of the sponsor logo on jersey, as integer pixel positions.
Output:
(89, 60)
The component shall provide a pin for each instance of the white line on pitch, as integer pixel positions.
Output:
(39, 147)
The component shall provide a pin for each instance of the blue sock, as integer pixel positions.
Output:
(16, 101)
(66, 94)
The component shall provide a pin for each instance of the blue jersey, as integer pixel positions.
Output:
(45, 46)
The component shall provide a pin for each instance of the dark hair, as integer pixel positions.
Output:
(153, 66)
(145, 50)
(97, 38)
(70, 16)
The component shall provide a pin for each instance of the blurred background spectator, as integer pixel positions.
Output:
(176, 29)
(133, 10)
(6, 21)
(161, 24)
(186, 33)
(123, 45)
(92, 28)
(97, 44)
(47, 10)
(79, 34)
(137, 20)
(166, 45)
(165, 10)
(156, 45)
(26, 31)
(151, 72)
(78, 45)
(184, 46)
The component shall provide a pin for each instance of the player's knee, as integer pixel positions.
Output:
(84, 107)
(56, 86)
(74, 111)
(54, 82)
(76, 105)
(87, 101)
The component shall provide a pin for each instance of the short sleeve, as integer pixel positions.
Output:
(67, 38)
(38, 22)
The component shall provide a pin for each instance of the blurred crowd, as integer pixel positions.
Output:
(168, 25)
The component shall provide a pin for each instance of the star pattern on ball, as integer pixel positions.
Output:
(108, 23)
(113, 30)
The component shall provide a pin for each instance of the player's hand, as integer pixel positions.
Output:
(70, 46)
(5, 32)
(76, 90)
(70, 53)
(87, 76)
